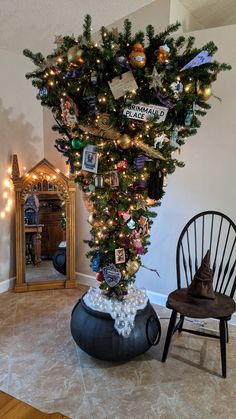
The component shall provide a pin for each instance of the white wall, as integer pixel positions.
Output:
(22, 134)
(207, 180)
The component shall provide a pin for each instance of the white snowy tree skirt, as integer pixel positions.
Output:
(123, 312)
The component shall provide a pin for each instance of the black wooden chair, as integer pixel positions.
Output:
(214, 231)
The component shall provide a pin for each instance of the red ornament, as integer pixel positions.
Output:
(100, 276)
(121, 166)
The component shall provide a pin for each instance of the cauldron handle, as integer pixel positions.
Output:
(157, 339)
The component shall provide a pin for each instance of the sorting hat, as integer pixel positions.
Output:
(202, 283)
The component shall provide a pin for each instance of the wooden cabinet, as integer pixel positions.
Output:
(50, 215)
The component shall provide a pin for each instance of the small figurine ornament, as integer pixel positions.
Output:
(163, 54)
(188, 119)
(177, 88)
(137, 57)
(137, 243)
(131, 224)
(95, 263)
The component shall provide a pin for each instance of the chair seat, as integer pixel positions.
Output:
(201, 308)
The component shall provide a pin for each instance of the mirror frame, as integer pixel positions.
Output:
(66, 188)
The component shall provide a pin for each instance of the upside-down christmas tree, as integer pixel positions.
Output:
(123, 108)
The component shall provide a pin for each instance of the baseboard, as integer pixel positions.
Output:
(85, 279)
(7, 284)
(157, 298)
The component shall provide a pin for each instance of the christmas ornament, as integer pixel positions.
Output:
(131, 224)
(100, 276)
(94, 78)
(69, 112)
(188, 119)
(141, 204)
(95, 262)
(144, 112)
(155, 185)
(137, 243)
(114, 180)
(150, 202)
(137, 57)
(163, 98)
(90, 218)
(76, 72)
(174, 136)
(90, 159)
(160, 139)
(78, 143)
(132, 267)
(189, 87)
(87, 201)
(43, 92)
(91, 188)
(126, 216)
(124, 142)
(140, 185)
(156, 79)
(122, 61)
(204, 91)
(140, 160)
(112, 275)
(75, 55)
(120, 255)
(155, 154)
(99, 181)
(103, 121)
(121, 166)
(177, 87)
(202, 58)
(91, 104)
(142, 220)
(163, 54)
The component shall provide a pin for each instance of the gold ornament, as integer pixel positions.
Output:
(103, 121)
(204, 91)
(132, 267)
(137, 57)
(151, 151)
(150, 201)
(163, 53)
(189, 87)
(75, 55)
(124, 142)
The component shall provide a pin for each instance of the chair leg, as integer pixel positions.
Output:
(169, 335)
(227, 331)
(181, 323)
(223, 346)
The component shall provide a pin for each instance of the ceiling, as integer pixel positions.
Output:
(212, 13)
(33, 24)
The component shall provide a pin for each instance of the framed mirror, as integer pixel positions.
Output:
(45, 228)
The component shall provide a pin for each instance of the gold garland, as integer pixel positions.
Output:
(112, 134)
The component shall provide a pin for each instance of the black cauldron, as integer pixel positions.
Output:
(59, 261)
(94, 332)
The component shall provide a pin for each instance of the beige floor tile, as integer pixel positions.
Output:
(41, 364)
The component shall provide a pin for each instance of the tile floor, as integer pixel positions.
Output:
(40, 364)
